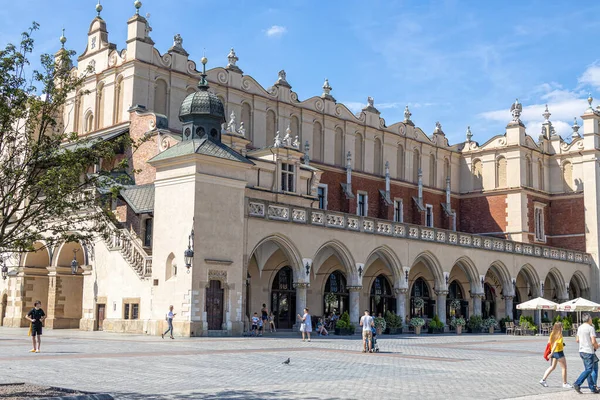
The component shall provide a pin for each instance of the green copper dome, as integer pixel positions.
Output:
(202, 102)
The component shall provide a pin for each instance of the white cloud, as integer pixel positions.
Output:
(276, 31)
(591, 76)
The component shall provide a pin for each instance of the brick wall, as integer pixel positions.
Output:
(566, 217)
(483, 214)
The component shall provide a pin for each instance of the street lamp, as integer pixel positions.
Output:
(4, 271)
(188, 255)
(360, 271)
(74, 263)
(307, 266)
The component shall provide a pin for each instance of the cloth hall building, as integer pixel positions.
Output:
(301, 203)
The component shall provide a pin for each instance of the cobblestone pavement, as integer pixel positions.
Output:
(328, 368)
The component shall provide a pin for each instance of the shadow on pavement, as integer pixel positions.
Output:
(222, 395)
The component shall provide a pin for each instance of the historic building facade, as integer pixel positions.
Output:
(301, 203)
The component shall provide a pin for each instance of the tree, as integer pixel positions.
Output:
(47, 189)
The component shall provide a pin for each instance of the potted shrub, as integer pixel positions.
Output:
(490, 324)
(503, 323)
(435, 325)
(343, 325)
(380, 325)
(567, 326)
(417, 323)
(393, 323)
(418, 303)
(458, 323)
(454, 305)
(527, 323)
(475, 323)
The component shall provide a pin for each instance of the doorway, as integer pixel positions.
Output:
(214, 305)
(100, 315)
(283, 299)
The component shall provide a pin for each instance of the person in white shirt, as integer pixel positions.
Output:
(169, 317)
(586, 337)
(367, 323)
(306, 325)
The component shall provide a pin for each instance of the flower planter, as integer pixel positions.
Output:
(566, 332)
(491, 330)
(459, 330)
(378, 330)
(417, 330)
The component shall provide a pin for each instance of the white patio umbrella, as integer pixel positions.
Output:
(538, 303)
(578, 304)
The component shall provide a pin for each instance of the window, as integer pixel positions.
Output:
(398, 216)
(317, 154)
(501, 172)
(539, 223)
(160, 97)
(400, 163)
(322, 194)
(528, 172)
(131, 309)
(358, 152)
(432, 171)
(271, 127)
(287, 177)
(361, 207)
(568, 176)
(477, 169)
(416, 165)
(377, 157)
(429, 216)
(148, 222)
(339, 148)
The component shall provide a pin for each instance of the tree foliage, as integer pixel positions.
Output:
(47, 189)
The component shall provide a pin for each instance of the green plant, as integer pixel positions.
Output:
(416, 321)
(330, 298)
(455, 304)
(418, 303)
(504, 321)
(475, 323)
(435, 323)
(490, 323)
(527, 323)
(460, 321)
(392, 320)
(596, 322)
(567, 324)
(380, 323)
(344, 321)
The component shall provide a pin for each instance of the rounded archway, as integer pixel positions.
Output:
(455, 292)
(420, 290)
(283, 298)
(488, 303)
(578, 286)
(335, 294)
(382, 297)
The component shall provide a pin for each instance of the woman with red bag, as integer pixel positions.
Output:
(557, 355)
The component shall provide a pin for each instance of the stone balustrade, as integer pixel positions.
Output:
(135, 255)
(337, 220)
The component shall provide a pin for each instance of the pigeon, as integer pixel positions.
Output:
(287, 362)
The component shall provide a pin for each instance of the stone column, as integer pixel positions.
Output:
(441, 304)
(301, 288)
(401, 303)
(354, 304)
(476, 297)
(508, 305)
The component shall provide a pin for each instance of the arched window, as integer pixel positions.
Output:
(488, 305)
(317, 149)
(89, 122)
(160, 97)
(477, 170)
(568, 176)
(283, 299)
(421, 289)
(170, 267)
(100, 106)
(118, 113)
(382, 297)
(447, 171)
(455, 292)
(432, 171)
(336, 297)
(295, 128)
(501, 172)
(339, 147)
(377, 157)
(358, 152)
(271, 127)
(416, 165)
(400, 163)
(247, 120)
(541, 175)
(528, 172)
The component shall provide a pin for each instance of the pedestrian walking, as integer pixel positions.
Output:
(367, 322)
(306, 325)
(557, 355)
(36, 316)
(586, 337)
(272, 322)
(169, 317)
(264, 316)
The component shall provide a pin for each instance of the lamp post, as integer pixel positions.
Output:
(74, 263)
(360, 271)
(307, 266)
(188, 255)
(4, 270)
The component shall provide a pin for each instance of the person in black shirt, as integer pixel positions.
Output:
(36, 316)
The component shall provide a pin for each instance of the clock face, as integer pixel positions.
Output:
(187, 132)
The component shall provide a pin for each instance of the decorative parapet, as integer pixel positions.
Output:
(337, 220)
(121, 240)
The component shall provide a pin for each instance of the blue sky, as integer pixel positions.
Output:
(458, 62)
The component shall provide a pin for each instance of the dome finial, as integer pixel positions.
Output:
(98, 8)
(63, 39)
(575, 128)
(137, 4)
(203, 84)
(546, 114)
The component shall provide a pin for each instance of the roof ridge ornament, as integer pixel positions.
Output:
(590, 109)
(326, 91)
(575, 127)
(281, 79)
(232, 59)
(137, 4)
(98, 9)
(407, 114)
(203, 84)
(546, 114)
(469, 134)
(63, 39)
(438, 129)
(516, 109)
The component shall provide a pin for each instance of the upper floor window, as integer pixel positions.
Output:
(322, 195)
(429, 216)
(148, 222)
(362, 205)
(398, 217)
(287, 177)
(539, 223)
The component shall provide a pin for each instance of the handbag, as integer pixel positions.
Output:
(30, 328)
(547, 352)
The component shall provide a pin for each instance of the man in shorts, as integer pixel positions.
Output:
(367, 322)
(36, 316)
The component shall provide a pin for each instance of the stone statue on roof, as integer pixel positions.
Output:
(516, 109)
(231, 126)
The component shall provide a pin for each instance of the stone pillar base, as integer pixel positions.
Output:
(87, 324)
(62, 323)
(16, 322)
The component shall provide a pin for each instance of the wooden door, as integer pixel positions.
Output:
(100, 315)
(214, 305)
